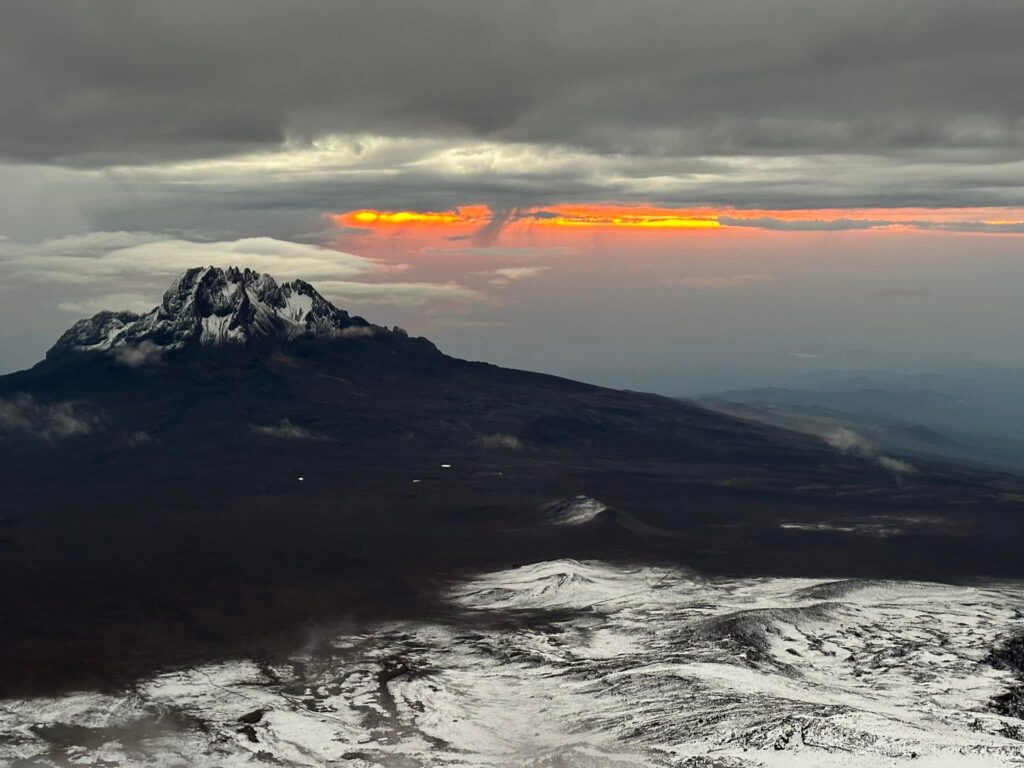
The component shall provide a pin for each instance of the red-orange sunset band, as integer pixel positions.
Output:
(623, 217)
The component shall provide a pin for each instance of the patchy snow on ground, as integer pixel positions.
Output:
(569, 664)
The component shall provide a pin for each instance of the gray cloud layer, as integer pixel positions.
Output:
(195, 117)
(91, 83)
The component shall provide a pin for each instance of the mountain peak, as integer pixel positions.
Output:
(210, 306)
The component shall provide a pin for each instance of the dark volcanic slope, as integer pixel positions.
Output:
(154, 513)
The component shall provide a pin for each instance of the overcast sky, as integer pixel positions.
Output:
(661, 195)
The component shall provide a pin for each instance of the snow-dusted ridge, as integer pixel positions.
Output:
(629, 667)
(210, 306)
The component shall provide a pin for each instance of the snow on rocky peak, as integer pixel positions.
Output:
(211, 306)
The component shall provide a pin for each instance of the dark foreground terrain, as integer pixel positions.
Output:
(246, 465)
(231, 501)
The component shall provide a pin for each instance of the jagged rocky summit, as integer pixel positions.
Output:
(210, 306)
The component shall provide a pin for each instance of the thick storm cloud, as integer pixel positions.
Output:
(412, 105)
(93, 83)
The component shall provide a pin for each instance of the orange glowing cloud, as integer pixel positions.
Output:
(469, 219)
(402, 217)
(476, 215)
(622, 217)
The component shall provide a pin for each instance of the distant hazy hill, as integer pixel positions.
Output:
(975, 416)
